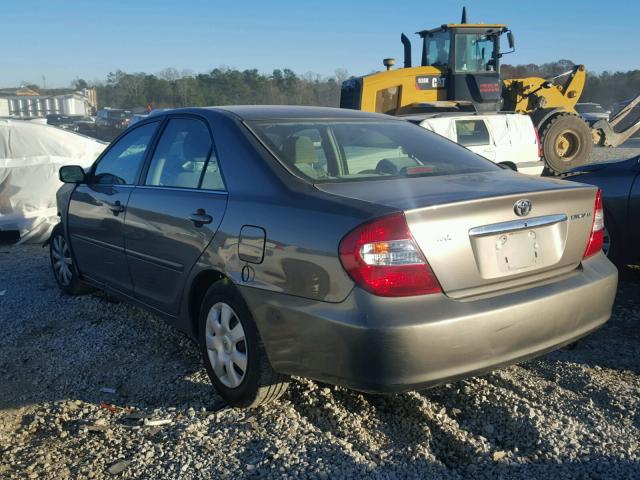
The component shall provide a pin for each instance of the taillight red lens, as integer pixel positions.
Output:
(594, 245)
(540, 152)
(383, 258)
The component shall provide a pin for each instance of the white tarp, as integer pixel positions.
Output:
(30, 155)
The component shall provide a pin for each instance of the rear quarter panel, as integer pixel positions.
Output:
(303, 225)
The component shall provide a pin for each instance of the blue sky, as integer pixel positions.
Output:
(65, 39)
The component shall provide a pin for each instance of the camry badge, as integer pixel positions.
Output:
(522, 207)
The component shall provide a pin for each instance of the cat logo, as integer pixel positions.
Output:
(430, 82)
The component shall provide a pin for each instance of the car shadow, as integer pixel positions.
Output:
(92, 355)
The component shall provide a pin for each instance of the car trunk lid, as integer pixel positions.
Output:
(471, 235)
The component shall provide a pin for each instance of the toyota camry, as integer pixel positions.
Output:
(347, 247)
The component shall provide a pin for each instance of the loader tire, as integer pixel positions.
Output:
(566, 143)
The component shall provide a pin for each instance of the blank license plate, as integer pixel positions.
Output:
(515, 251)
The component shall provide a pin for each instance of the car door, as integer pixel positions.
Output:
(174, 212)
(97, 209)
(474, 135)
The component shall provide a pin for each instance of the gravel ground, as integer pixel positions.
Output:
(93, 388)
(86, 380)
(627, 150)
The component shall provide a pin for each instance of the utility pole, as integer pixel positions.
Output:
(44, 82)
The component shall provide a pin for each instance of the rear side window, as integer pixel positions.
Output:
(472, 133)
(351, 150)
(212, 179)
(181, 155)
(121, 163)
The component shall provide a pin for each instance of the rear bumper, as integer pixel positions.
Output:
(382, 345)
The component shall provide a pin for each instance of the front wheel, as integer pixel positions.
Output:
(64, 271)
(566, 143)
(233, 353)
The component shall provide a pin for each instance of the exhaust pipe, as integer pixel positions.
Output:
(464, 15)
(407, 50)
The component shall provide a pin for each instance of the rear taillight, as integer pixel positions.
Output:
(594, 245)
(538, 142)
(382, 257)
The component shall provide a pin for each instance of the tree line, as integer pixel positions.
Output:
(221, 86)
(227, 86)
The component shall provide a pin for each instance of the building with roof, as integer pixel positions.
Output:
(25, 102)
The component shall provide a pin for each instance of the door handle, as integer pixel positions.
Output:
(116, 207)
(200, 217)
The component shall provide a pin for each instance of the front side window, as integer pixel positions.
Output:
(181, 154)
(475, 53)
(341, 150)
(438, 45)
(472, 133)
(121, 163)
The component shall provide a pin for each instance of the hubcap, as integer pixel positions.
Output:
(567, 145)
(226, 345)
(61, 260)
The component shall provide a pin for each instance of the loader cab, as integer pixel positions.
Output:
(470, 56)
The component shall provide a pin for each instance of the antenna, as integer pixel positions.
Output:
(464, 15)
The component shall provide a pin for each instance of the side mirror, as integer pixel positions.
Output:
(511, 40)
(72, 174)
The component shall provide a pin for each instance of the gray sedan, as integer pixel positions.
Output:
(351, 248)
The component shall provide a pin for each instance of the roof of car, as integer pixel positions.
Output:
(265, 112)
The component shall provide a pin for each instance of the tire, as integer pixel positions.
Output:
(509, 165)
(62, 265)
(235, 358)
(566, 142)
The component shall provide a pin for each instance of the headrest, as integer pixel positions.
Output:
(300, 150)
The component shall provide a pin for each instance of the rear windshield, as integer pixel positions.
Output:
(119, 114)
(334, 150)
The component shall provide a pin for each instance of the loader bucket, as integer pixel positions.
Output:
(621, 127)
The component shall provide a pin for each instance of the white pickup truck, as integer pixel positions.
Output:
(505, 138)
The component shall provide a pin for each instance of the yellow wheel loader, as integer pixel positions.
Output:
(460, 72)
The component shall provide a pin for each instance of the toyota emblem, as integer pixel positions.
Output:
(522, 207)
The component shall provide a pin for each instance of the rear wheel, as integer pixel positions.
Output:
(566, 143)
(233, 352)
(64, 270)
